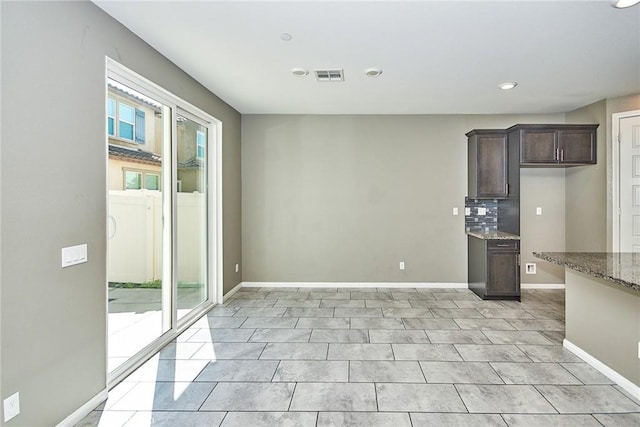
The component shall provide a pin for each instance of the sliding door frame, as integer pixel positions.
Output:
(214, 275)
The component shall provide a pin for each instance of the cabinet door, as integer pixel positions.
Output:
(538, 146)
(503, 273)
(577, 146)
(492, 166)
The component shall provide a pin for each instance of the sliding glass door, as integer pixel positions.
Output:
(191, 212)
(137, 129)
(162, 265)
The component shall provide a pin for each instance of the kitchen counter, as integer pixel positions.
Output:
(493, 235)
(620, 268)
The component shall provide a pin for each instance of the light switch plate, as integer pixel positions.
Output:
(73, 255)
(455, 211)
(538, 211)
(401, 265)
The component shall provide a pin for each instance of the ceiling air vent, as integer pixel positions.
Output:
(329, 75)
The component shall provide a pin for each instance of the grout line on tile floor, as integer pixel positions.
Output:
(208, 395)
(295, 385)
(460, 397)
(535, 387)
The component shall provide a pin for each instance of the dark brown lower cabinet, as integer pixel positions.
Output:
(494, 268)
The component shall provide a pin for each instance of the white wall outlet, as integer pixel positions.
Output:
(482, 211)
(11, 406)
(237, 267)
(538, 211)
(467, 211)
(401, 265)
(73, 255)
(455, 211)
(530, 268)
(638, 349)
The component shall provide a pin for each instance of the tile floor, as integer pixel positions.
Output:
(135, 319)
(370, 357)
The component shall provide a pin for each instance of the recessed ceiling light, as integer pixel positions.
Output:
(286, 37)
(373, 72)
(508, 85)
(299, 72)
(621, 4)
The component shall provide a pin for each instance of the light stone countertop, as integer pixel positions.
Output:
(620, 268)
(493, 235)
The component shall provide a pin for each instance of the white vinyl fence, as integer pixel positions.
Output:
(135, 236)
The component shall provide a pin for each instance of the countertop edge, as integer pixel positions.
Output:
(585, 270)
(492, 235)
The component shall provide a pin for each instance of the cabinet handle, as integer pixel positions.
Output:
(562, 155)
(556, 156)
(506, 189)
(503, 246)
(518, 261)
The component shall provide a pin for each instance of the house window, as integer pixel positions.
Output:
(125, 121)
(151, 181)
(201, 139)
(137, 180)
(132, 180)
(111, 117)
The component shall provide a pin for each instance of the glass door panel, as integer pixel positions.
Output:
(137, 290)
(191, 213)
(161, 204)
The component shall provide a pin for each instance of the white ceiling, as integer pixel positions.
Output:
(438, 57)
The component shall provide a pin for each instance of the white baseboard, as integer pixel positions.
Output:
(353, 285)
(231, 292)
(630, 387)
(542, 286)
(84, 410)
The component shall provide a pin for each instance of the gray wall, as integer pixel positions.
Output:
(612, 335)
(53, 183)
(345, 198)
(589, 188)
(542, 188)
(586, 199)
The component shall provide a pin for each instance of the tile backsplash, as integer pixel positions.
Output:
(477, 222)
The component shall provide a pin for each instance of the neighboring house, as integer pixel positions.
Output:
(136, 131)
(134, 128)
(191, 149)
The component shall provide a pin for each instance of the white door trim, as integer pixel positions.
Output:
(137, 82)
(615, 175)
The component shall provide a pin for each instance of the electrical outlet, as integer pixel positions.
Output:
(467, 211)
(482, 211)
(538, 211)
(237, 267)
(530, 268)
(11, 406)
(455, 211)
(401, 265)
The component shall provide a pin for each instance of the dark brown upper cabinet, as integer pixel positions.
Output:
(488, 164)
(555, 145)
